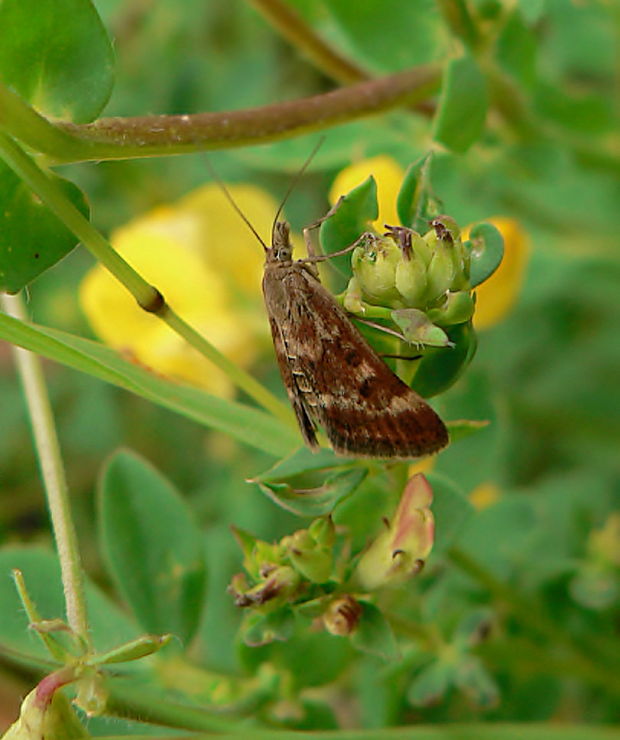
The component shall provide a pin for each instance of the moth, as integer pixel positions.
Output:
(333, 377)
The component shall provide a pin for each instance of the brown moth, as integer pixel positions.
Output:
(333, 377)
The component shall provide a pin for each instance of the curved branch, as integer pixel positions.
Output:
(148, 136)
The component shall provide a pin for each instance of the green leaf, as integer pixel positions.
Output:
(152, 546)
(440, 368)
(248, 425)
(41, 570)
(517, 48)
(351, 219)
(463, 428)
(302, 461)
(431, 684)
(415, 203)
(32, 238)
(56, 54)
(451, 509)
(462, 110)
(319, 500)
(487, 252)
(374, 635)
(473, 679)
(390, 35)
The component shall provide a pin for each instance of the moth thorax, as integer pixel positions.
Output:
(281, 249)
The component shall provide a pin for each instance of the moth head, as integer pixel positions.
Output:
(281, 249)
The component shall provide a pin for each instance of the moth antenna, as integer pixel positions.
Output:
(231, 200)
(294, 182)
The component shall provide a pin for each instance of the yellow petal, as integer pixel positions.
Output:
(189, 287)
(223, 239)
(496, 296)
(388, 175)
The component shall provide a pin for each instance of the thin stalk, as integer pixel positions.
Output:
(147, 296)
(148, 136)
(294, 28)
(54, 479)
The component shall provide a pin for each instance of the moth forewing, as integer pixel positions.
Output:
(333, 377)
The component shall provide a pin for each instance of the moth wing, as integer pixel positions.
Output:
(365, 409)
(306, 424)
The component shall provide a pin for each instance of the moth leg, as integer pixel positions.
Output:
(400, 357)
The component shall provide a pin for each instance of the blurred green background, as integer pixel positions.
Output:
(548, 376)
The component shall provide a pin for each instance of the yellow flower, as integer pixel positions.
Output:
(207, 264)
(497, 295)
(388, 175)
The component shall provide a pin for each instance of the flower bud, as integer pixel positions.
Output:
(399, 552)
(441, 270)
(342, 616)
(446, 233)
(323, 531)
(410, 281)
(374, 266)
(312, 560)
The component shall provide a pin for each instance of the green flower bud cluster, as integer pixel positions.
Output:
(279, 573)
(423, 278)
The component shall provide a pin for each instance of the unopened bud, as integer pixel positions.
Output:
(342, 615)
(410, 281)
(400, 551)
(374, 266)
(323, 531)
(313, 560)
(441, 271)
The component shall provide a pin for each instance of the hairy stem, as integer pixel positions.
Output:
(147, 136)
(54, 479)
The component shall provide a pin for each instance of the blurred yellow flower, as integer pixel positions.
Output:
(207, 264)
(496, 296)
(485, 495)
(388, 175)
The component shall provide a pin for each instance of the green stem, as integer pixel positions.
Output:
(147, 136)
(147, 296)
(459, 20)
(54, 479)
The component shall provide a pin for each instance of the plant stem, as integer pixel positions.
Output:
(293, 27)
(147, 296)
(147, 136)
(458, 19)
(54, 479)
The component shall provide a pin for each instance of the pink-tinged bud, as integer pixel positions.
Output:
(342, 616)
(399, 552)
